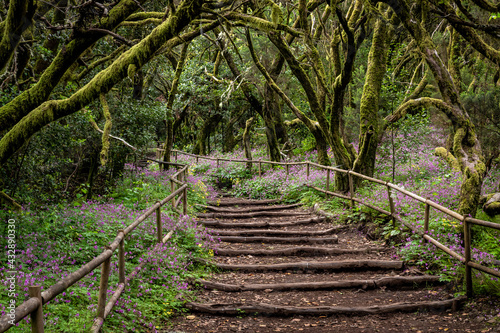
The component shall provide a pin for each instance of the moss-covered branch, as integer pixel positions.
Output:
(313, 126)
(98, 62)
(12, 112)
(299, 72)
(470, 34)
(107, 129)
(151, 20)
(261, 24)
(413, 104)
(18, 19)
(448, 157)
(137, 56)
(310, 124)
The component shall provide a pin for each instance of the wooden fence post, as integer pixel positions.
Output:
(327, 181)
(287, 169)
(172, 189)
(196, 159)
(176, 156)
(307, 170)
(426, 217)
(351, 189)
(260, 169)
(391, 204)
(37, 315)
(468, 269)
(159, 226)
(184, 201)
(103, 287)
(121, 260)
(217, 163)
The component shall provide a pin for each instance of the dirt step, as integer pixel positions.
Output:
(241, 278)
(241, 202)
(220, 224)
(273, 240)
(274, 232)
(250, 214)
(388, 282)
(247, 210)
(268, 260)
(281, 310)
(295, 251)
(347, 297)
(315, 265)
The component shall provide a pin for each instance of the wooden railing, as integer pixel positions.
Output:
(467, 221)
(34, 305)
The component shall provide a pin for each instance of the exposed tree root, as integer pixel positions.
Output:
(280, 310)
(251, 214)
(396, 281)
(314, 265)
(248, 210)
(261, 224)
(294, 251)
(243, 202)
(279, 240)
(276, 232)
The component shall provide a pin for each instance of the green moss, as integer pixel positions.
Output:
(450, 159)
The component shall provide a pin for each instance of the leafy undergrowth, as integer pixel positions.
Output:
(56, 241)
(415, 168)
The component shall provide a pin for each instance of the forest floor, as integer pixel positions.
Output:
(362, 288)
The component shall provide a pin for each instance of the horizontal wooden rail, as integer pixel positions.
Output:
(483, 268)
(428, 203)
(444, 248)
(488, 224)
(33, 304)
(21, 311)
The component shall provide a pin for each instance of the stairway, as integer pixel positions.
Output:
(282, 268)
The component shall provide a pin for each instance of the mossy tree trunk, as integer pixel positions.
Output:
(169, 141)
(370, 128)
(466, 146)
(200, 148)
(246, 141)
(229, 139)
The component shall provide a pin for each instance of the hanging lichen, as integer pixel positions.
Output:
(107, 130)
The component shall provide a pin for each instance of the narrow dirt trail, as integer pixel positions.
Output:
(283, 269)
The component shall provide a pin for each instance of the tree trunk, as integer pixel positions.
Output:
(466, 146)
(200, 148)
(272, 109)
(138, 85)
(369, 118)
(169, 142)
(246, 142)
(229, 138)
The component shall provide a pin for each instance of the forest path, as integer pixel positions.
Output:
(284, 269)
